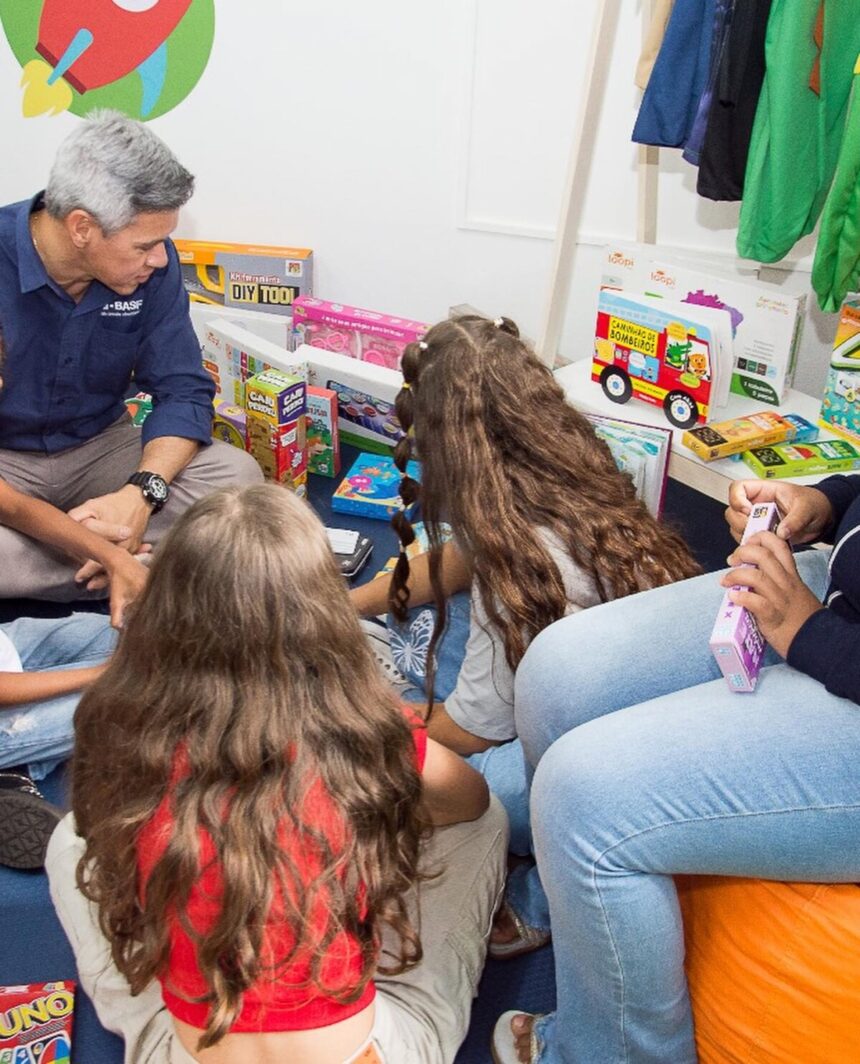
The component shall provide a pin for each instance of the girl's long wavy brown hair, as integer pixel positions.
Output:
(504, 455)
(245, 649)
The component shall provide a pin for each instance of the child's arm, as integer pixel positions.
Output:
(371, 599)
(49, 525)
(446, 731)
(17, 688)
(453, 790)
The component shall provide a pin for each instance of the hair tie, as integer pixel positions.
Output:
(422, 345)
(498, 322)
(406, 386)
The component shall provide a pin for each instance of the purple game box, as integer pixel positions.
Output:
(736, 641)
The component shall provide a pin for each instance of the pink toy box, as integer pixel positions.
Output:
(736, 640)
(363, 334)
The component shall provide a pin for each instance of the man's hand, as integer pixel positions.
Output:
(124, 510)
(806, 512)
(778, 599)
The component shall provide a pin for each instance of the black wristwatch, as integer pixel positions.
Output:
(153, 487)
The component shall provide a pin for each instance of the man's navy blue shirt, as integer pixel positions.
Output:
(68, 365)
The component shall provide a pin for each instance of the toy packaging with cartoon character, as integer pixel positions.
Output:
(371, 488)
(840, 404)
(36, 1023)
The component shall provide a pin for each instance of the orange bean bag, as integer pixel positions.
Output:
(774, 970)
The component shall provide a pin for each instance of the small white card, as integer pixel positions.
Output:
(342, 540)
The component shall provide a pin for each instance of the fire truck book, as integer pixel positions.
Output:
(767, 322)
(665, 353)
(642, 451)
(36, 1023)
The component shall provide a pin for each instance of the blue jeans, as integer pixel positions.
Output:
(647, 766)
(41, 734)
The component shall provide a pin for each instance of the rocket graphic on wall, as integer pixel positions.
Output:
(86, 44)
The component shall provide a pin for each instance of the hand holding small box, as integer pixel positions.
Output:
(772, 591)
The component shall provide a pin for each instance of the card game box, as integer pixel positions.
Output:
(36, 1023)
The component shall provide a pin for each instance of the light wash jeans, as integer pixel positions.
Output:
(697, 779)
(41, 734)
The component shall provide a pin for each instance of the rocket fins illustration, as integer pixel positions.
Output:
(91, 43)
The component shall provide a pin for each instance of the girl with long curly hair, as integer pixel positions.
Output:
(543, 525)
(257, 867)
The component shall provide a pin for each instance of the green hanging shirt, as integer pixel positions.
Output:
(797, 134)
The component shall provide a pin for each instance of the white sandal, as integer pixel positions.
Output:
(504, 1044)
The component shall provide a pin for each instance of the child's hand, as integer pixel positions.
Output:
(126, 576)
(778, 599)
(806, 512)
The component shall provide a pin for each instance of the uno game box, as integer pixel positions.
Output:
(36, 1023)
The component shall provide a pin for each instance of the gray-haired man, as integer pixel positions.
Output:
(90, 298)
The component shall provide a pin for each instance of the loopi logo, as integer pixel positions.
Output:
(142, 57)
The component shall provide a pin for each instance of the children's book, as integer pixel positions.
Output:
(662, 352)
(641, 451)
(36, 1023)
(371, 488)
(420, 545)
(766, 322)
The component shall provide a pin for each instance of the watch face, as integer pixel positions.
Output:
(157, 488)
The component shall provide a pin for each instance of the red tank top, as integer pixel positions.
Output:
(286, 1000)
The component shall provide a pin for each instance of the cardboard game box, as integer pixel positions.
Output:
(366, 335)
(250, 276)
(371, 488)
(736, 641)
(720, 439)
(322, 431)
(230, 424)
(36, 1023)
(232, 353)
(840, 404)
(803, 459)
(365, 396)
(275, 427)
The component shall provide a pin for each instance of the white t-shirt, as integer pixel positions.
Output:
(483, 700)
(9, 660)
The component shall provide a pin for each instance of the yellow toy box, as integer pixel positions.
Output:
(720, 439)
(250, 276)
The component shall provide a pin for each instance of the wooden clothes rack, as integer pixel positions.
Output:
(570, 216)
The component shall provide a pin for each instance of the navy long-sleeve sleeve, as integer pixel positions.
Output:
(827, 646)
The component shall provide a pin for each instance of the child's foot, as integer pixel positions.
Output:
(513, 1038)
(27, 820)
(510, 937)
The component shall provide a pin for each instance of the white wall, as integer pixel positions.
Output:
(419, 148)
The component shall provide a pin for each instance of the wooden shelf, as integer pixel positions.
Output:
(710, 478)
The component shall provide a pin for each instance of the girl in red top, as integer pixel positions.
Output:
(259, 878)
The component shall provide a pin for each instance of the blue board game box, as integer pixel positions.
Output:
(371, 487)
